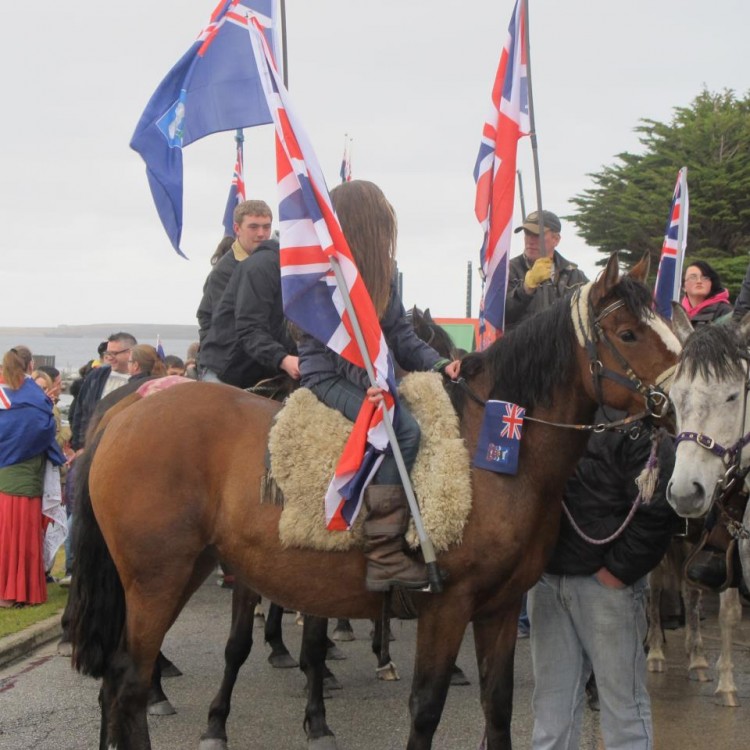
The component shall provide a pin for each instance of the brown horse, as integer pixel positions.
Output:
(175, 485)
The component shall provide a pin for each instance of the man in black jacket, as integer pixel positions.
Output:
(588, 611)
(248, 340)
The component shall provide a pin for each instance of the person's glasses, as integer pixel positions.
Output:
(109, 353)
(696, 277)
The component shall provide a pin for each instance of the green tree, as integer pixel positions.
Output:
(627, 209)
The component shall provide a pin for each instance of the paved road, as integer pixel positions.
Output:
(46, 706)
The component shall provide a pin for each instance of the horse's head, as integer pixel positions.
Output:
(631, 351)
(710, 396)
(432, 333)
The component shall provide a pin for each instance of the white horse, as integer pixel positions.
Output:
(711, 398)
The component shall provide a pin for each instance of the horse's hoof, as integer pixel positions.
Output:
(299, 619)
(728, 699)
(331, 683)
(699, 675)
(162, 708)
(213, 744)
(171, 671)
(327, 742)
(657, 665)
(388, 673)
(343, 635)
(335, 654)
(64, 648)
(458, 677)
(282, 661)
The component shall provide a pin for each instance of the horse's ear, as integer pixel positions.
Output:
(640, 270)
(428, 316)
(681, 325)
(606, 280)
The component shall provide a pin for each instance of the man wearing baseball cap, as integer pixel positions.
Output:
(536, 280)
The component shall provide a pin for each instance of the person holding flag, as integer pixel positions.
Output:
(27, 447)
(369, 225)
(540, 275)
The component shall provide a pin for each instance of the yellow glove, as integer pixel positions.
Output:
(538, 273)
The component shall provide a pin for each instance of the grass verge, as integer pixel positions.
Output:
(15, 620)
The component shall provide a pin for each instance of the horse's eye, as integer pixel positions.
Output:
(627, 336)
(733, 397)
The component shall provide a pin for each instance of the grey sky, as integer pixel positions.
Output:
(409, 80)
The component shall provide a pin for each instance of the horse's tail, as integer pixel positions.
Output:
(97, 599)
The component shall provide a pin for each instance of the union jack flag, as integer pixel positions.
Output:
(237, 188)
(4, 399)
(310, 234)
(495, 170)
(213, 87)
(512, 421)
(669, 276)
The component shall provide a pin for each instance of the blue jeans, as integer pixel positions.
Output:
(578, 624)
(208, 376)
(347, 398)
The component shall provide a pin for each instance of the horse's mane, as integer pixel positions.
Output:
(714, 350)
(530, 361)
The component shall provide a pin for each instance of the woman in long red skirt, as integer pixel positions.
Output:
(27, 442)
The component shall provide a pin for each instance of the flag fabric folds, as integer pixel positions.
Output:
(310, 235)
(213, 87)
(495, 169)
(669, 275)
(236, 190)
(346, 165)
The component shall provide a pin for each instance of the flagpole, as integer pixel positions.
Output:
(532, 134)
(283, 45)
(428, 551)
(681, 227)
(520, 195)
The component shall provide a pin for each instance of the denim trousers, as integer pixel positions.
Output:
(343, 395)
(578, 624)
(208, 376)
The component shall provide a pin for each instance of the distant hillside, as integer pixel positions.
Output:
(142, 331)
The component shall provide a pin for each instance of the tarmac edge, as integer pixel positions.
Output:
(18, 645)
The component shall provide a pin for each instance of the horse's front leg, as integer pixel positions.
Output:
(730, 614)
(495, 644)
(312, 663)
(381, 647)
(439, 633)
(239, 644)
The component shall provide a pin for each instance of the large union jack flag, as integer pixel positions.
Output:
(236, 189)
(669, 276)
(213, 87)
(310, 235)
(495, 170)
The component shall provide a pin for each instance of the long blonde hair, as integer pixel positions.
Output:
(16, 365)
(370, 226)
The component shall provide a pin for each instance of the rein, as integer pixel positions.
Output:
(657, 402)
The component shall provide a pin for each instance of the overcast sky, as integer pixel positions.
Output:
(408, 80)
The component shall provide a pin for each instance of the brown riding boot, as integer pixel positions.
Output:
(388, 564)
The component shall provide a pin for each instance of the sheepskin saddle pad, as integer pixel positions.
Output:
(305, 444)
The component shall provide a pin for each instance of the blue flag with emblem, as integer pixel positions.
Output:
(500, 438)
(214, 87)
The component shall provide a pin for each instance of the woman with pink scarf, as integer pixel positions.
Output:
(705, 299)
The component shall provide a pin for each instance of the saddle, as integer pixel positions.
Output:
(307, 439)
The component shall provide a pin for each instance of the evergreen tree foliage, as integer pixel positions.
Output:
(627, 209)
